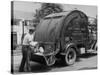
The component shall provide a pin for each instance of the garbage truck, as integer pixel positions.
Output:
(62, 36)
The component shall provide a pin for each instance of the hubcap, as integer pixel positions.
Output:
(70, 56)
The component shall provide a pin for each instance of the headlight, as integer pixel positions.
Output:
(41, 49)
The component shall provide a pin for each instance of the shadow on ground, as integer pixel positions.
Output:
(39, 68)
(88, 55)
(85, 56)
(42, 68)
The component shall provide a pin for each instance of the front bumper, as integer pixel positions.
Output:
(38, 57)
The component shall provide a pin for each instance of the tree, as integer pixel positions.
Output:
(46, 9)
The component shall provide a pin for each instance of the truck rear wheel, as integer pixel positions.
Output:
(70, 56)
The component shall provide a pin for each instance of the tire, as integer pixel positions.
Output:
(70, 56)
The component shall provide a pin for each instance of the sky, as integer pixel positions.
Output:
(26, 10)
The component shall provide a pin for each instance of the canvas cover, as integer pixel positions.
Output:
(53, 26)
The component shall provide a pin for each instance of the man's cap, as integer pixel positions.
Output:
(31, 28)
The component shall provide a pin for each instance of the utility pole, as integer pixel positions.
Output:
(23, 23)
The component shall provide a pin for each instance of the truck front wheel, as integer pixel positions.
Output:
(70, 56)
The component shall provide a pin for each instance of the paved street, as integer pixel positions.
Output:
(87, 61)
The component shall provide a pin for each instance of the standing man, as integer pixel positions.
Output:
(28, 38)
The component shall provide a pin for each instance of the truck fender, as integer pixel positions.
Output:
(69, 45)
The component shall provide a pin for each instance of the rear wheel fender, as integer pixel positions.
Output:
(68, 45)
